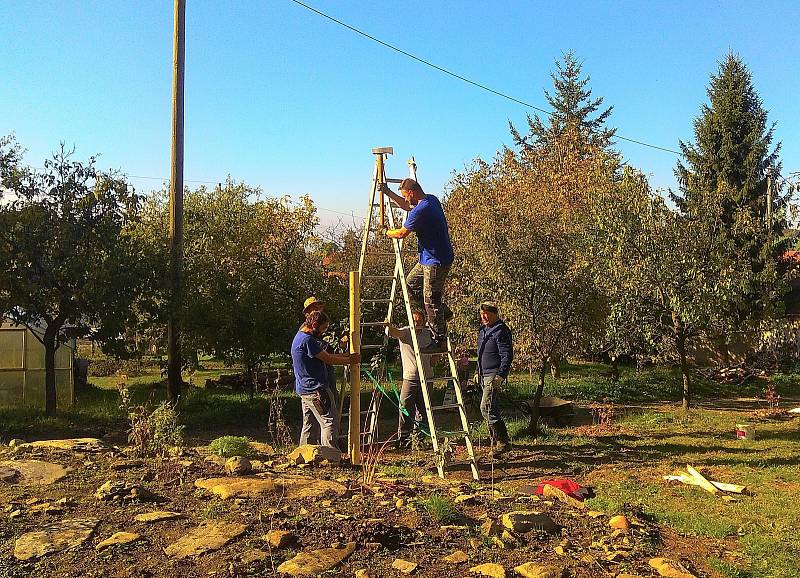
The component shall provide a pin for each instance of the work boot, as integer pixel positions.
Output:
(502, 444)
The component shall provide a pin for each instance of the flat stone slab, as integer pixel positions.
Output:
(69, 444)
(159, 516)
(205, 538)
(31, 472)
(54, 538)
(316, 562)
(118, 539)
(292, 487)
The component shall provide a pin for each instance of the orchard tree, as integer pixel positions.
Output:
(250, 261)
(69, 263)
(519, 228)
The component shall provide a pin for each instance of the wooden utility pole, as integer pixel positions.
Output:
(354, 433)
(176, 206)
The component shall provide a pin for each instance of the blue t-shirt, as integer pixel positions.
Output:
(427, 220)
(310, 373)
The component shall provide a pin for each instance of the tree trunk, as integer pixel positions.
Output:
(537, 400)
(680, 345)
(555, 366)
(614, 369)
(50, 342)
(251, 377)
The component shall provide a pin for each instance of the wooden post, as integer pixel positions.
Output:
(354, 437)
(174, 380)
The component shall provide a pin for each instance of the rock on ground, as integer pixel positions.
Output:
(205, 538)
(118, 538)
(404, 566)
(310, 454)
(316, 561)
(456, 557)
(489, 569)
(526, 521)
(279, 538)
(158, 516)
(669, 568)
(533, 570)
(124, 491)
(293, 487)
(54, 538)
(32, 472)
(71, 444)
(238, 466)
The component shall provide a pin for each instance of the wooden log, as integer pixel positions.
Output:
(701, 481)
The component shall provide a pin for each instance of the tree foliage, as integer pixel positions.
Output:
(573, 109)
(69, 263)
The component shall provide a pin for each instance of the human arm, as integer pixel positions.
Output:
(505, 347)
(398, 199)
(394, 332)
(400, 233)
(337, 359)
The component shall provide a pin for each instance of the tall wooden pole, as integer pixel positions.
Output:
(176, 205)
(354, 433)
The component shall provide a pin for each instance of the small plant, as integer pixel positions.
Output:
(440, 508)
(151, 433)
(772, 397)
(214, 508)
(370, 458)
(230, 446)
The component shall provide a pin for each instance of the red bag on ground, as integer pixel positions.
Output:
(569, 487)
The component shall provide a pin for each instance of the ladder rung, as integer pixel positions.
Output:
(378, 277)
(374, 323)
(372, 346)
(446, 406)
(398, 181)
(376, 300)
(449, 378)
(391, 253)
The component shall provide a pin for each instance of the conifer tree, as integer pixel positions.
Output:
(726, 172)
(573, 106)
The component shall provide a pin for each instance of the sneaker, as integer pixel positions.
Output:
(438, 345)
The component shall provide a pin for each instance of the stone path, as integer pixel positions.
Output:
(293, 487)
(54, 538)
(205, 538)
(33, 472)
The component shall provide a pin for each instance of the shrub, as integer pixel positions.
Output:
(229, 446)
(151, 433)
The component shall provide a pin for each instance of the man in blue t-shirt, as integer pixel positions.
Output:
(311, 364)
(426, 279)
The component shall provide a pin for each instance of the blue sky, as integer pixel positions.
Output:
(281, 98)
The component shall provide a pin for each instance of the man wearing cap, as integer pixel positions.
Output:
(495, 354)
(313, 304)
(426, 279)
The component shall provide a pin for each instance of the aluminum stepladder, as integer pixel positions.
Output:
(374, 276)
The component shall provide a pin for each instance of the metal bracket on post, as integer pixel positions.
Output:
(381, 153)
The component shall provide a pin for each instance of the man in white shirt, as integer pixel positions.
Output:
(412, 403)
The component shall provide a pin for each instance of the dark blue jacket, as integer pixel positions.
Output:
(495, 349)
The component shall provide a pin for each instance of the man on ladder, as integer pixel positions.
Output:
(426, 279)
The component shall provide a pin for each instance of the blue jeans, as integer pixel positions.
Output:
(489, 406)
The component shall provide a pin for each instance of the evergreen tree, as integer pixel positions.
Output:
(732, 154)
(573, 106)
(724, 180)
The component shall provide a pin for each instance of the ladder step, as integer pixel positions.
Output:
(372, 346)
(449, 378)
(376, 300)
(398, 181)
(446, 406)
(378, 277)
(374, 323)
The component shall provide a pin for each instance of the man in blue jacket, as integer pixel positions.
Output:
(495, 354)
(426, 279)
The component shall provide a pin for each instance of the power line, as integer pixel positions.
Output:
(460, 77)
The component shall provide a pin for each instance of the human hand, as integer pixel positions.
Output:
(355, 358)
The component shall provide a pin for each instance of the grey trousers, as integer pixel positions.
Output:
(425, 288)
(489, 406)
(412, 401)
(321, 418)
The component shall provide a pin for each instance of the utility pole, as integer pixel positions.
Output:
(174, 380)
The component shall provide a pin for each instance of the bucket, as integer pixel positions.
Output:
(745, 431)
